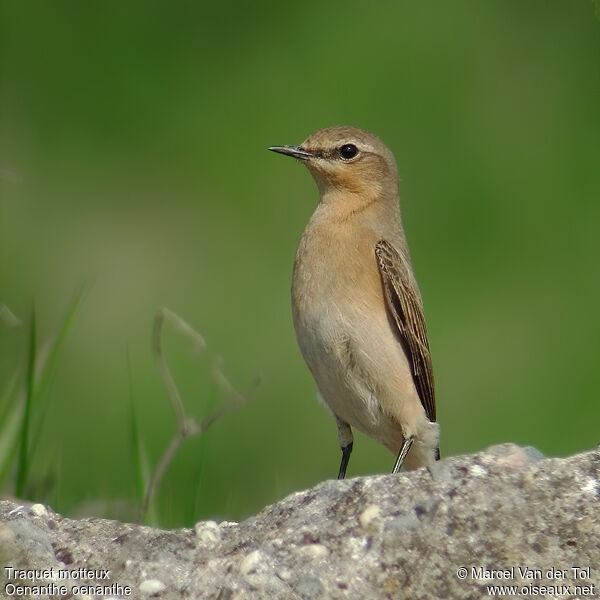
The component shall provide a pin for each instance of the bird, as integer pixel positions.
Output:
(356, 306)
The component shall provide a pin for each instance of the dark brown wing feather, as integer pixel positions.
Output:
(404, 304)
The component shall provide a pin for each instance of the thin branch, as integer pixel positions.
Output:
(163, 368)
(187, 425)
(159, 471)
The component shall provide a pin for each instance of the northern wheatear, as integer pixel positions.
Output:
(356, 306)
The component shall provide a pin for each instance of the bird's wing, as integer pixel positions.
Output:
(406, 310)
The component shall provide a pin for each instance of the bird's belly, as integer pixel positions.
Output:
(355, 360)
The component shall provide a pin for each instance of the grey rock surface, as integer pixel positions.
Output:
(507, 516)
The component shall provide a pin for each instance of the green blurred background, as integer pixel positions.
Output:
(133, 157)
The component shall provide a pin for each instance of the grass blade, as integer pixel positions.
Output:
(12, 422)
(47, 363)
(138, 452)
(23, 465)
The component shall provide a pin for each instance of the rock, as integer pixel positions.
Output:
(208, 532)
(506, 516)
(152, 587)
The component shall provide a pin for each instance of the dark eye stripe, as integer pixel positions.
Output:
(332, 154)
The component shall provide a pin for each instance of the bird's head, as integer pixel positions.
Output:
(347, 160)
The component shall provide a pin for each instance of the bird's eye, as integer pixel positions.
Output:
(348, 151)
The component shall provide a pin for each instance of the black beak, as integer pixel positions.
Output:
(295, 151)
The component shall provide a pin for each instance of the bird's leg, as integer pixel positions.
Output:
(408, 442)
(346, 439)
(346, 450)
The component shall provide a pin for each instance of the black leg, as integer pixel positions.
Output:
(403, 452)
(346, 450)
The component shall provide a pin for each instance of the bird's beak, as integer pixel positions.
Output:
(295, 151)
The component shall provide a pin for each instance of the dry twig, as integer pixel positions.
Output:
(187, 425)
